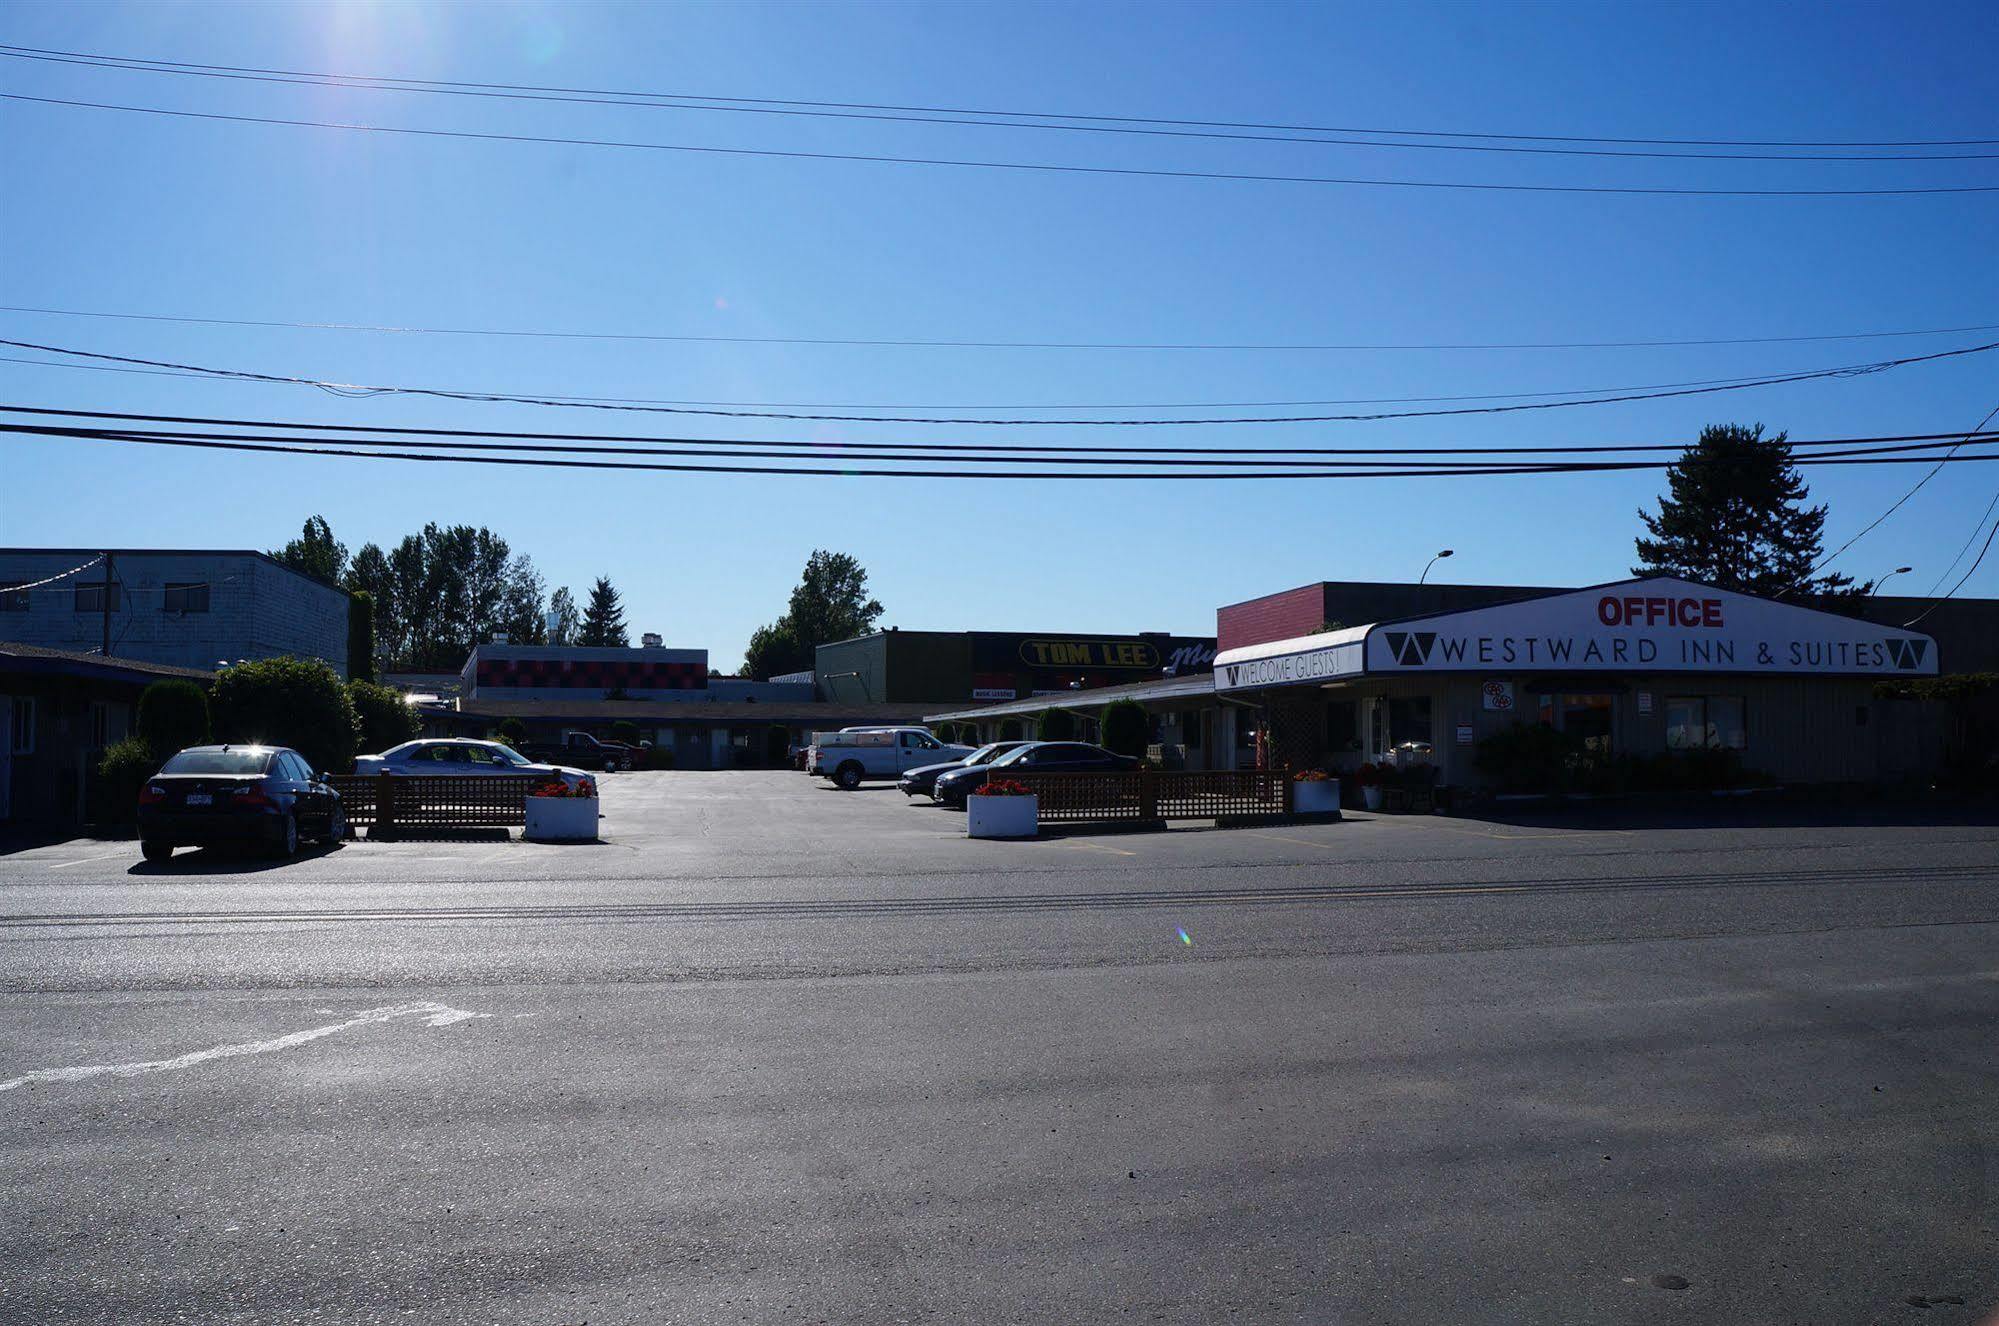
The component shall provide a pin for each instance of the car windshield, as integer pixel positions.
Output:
(986, 753)
(508, 755)
(250, 759)
(1012, 756)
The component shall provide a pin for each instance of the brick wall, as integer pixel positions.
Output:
(1284, 616)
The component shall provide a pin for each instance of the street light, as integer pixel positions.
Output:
(1432, 562)
(1900, 570)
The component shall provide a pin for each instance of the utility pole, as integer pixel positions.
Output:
(110, 567)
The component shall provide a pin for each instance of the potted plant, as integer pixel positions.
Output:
(1315, 792)
(558, 813)
(1369, 778)
(1003, 808)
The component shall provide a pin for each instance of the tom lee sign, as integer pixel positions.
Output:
(1657, 625)
(1654, 625)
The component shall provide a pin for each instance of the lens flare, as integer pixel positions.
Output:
(1186, 938)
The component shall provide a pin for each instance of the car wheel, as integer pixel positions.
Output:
(154, 850)
(336, 826)
(848, 776)
(287, 843)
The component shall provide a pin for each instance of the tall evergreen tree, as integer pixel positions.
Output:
(1734, 517)
(830, 603)
(603, 617)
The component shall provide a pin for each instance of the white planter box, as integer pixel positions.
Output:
(561, 819)
(1321, 798)
(1001, 817)
(1371, 797)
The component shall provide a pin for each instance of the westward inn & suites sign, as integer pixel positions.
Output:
(1655, 624)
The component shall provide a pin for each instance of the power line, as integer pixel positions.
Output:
(1967, 570)
(49, 580)
(1046, 167)
(215, 422)
(821, 405)
(371, 83)
(1018, 114)
(1897, 504)
(851, 471)
(865, 451)
(908, 343)
(348, 388)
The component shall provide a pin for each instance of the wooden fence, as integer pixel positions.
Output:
(1148, 796)
(388, 804)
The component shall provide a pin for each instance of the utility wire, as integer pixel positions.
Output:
(822, 405)
(851, 471)
(209, 421)
(1967, 570)
(347, 388)
(988, 345)
(1028, 166)
(1018, 114)
(861, 451)
(1897, 504)
(369, 83)
(49, 580)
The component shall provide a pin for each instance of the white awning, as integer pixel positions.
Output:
(1325, 656)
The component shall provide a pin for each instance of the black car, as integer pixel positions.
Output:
(266, 796)
(953, 786)
(924, 779)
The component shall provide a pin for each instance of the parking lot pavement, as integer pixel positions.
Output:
(776, 1052)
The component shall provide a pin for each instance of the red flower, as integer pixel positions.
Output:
(1003, 787)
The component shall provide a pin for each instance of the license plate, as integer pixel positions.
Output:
(200, 799)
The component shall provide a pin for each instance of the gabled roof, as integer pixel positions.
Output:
(1642, 624)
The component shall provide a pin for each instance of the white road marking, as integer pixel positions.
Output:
(435, 1015)
(81, 860)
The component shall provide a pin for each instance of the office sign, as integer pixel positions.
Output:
(1653, 625)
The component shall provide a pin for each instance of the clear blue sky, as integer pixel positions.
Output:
(141, 214)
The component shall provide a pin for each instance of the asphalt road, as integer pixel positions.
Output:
(778, 1053)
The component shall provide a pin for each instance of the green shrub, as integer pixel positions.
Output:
(1126, 728)
(1009, 729)
(120, 774)
(386, 717)
(173, 715)
(627, 731)
(1057, 725)
(513, 732)
(1528, 757)
(292, 702)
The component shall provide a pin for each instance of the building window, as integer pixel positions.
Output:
(183, 598)
(13, 600)
(1342, 726)
(90, 598)
(100, 724)
(21, 729)
(1409, 720)
(1706, 722)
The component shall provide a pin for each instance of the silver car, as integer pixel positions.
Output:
(457, 757)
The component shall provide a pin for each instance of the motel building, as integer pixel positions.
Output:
(1638, 666)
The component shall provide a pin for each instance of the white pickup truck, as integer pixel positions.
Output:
(849, 757)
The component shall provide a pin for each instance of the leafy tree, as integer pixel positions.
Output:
(625, 730)
(173, 715)
(1126, 728)
(773, 651)
(386, 717)
(603, 617)
(1733, 518)
(360, 635)
(440, 593)
(1009, 729)
(315, 552)
(830, 603)
(513, 732)
(567, 623)
(293, 702)
(1056, 725)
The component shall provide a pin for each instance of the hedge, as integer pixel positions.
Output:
(386, 717)
(293, 702)
(173, 715)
